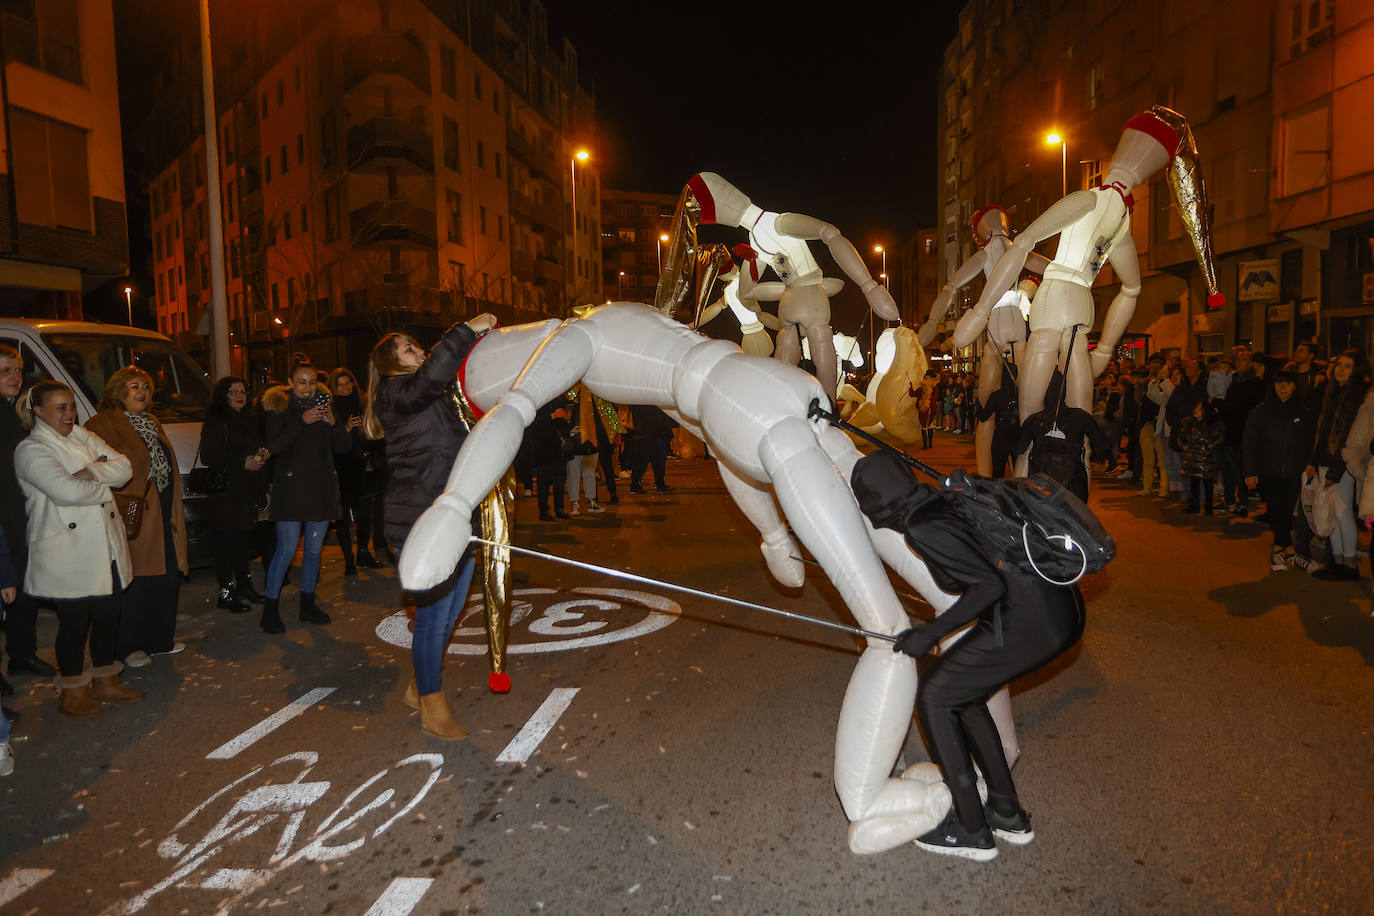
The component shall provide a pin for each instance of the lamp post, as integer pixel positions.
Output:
(1053, 138)
(662, 237)
(879, 249)
(579, 156)
(619, 286)
(129, 301)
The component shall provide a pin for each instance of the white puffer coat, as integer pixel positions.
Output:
(74, 530)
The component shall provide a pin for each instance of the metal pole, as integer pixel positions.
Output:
(219, 312)
(1064, 169)
(129, 301)
(572, 261)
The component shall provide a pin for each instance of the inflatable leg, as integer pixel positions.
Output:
(779, 550)
(877, 707)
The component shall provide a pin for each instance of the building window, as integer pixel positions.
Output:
(44, 35)
(305, 218)
(481, 155)
(500, 228)
(448, 71)
(228, 145)
(496, 160)
(1290, 275)
(157, 247)
(267, 169)
(331, 215)
(56, 189)
(234, 259)
(455, 217)
(300, 149)
(627, 236)
(286, 227)
(1309, 24)
(285, 162)
(229, 202)
(264, 106)
(496, 105)
(1092, 173)
(328, 131)
(456, 272)
(451, 157)
(276, 296)
(482, 219)
(1095, 77)
(1305, 145)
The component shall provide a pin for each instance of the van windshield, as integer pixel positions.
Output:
(181, 389)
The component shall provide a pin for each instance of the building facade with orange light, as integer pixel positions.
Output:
(378, 172)
(633, 224)
(63, 225)
(1250, 77)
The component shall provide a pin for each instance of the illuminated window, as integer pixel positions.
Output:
(1309, 24)
(44, 35)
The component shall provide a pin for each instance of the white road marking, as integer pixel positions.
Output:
(538, 727)
(273, 722)
(20, 880)
(400, 897)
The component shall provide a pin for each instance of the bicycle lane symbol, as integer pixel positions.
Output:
(256, 801)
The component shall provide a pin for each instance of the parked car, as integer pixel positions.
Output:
(84, 354)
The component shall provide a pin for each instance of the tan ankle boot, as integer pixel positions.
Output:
(78, 702)
(436, 720)
(108, 689)
(411, 697)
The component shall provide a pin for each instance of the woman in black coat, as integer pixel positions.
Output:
(357, 480)
(410, 405)
(230, 441)
(302, 434)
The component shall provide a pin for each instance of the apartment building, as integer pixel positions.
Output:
(634, 230)
(1277, 71)
(378, 173)
(63, 228)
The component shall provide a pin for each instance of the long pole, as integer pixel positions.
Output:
(129, 301)
(219, 312)
(572, 261)
(1064, 169)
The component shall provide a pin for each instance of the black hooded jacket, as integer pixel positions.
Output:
(1278, 438)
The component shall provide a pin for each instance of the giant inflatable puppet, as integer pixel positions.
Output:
(890, 402)
(779, 241)
(1094, 229)
(752, 412)
(992, 233)
(753, 338)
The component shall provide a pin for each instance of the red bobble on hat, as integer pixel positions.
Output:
(498, 682)
(1216, 300)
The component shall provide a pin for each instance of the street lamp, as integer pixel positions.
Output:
(619, 284)
(662, 237)
(1054, 139)
(129, 301)
(879, 249)
(579, 156)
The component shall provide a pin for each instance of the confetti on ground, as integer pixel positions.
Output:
(632, 889)
(689, 825)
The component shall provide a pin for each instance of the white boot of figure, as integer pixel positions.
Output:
(752, 412)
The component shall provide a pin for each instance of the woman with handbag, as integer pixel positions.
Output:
(232, 450)
(303, 432)
(157, 543)
(581, 450)
(409, 404)
(78, 555)
(357, 480)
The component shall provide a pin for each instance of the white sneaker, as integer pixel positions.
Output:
(572, 510)
(1303, 563)
(1125, 475)
(176, 647)
(137, 659)
(595, 508)
(1277, 563)
(6, 759)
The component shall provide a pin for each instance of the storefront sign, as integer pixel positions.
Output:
(1258, 281)
(1280, 313)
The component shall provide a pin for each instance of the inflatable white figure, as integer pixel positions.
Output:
(847, 349)
(752, 412)
(1002, 353)
(754, 339)
(1094, 229)
(779, 241)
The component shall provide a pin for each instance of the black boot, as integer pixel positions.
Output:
(366, 560)
(310, 613)
(244, 585)
(271, 619)
(230, 600)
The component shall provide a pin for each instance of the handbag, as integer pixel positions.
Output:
(207, 480)
(130, 509)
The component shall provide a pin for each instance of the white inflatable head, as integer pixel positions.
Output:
(1148, 143)
(989, 222)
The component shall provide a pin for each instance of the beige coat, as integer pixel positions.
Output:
(146, 549)
(74, 531)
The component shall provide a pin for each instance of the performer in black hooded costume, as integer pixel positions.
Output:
(1022, 622)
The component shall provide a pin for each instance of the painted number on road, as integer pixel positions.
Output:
(556, 620)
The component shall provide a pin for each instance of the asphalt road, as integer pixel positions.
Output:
(1206, 749)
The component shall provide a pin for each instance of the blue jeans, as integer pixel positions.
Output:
(434, 626)
(4, 729)
(288, 533)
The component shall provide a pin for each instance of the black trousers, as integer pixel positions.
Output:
(1281, 494)
(233, 550)
(1201, 490)
(360, 511)
(148, 607)
(1001, 452)
(1233, 488)
(550, 477)
(78, 619)
(1039, 622)
(21, 617)
(927, 436)
(605, 457)
(650, 452)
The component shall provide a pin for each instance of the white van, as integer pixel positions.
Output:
(84, 354)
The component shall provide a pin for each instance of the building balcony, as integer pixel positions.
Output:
(547, 270)
(382, 143)
(522, 264)
(386, 53)
(535, 212)
(533, 156)
(384, 223)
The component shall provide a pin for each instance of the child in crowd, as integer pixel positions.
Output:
(1199, 440)
(1278, 439)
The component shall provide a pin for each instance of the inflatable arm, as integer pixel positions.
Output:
(846, 255)
(965, 275)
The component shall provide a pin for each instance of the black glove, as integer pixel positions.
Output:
(915, 642)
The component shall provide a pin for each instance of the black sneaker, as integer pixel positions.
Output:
(665, 489)
(1015, 829)
(951, 839)
(636, 491)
